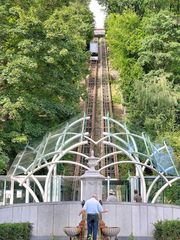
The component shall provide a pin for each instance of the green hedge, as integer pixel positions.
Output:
(167, 230)
(15, 231)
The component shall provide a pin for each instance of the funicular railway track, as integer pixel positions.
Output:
(90, 111)
(98, 104)
(106, 108)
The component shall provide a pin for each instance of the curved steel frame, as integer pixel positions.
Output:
(123, 141)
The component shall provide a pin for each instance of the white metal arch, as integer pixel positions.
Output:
(137, 167)
(164, 187)
(26, 187)
(31, 174)
(124, 142)
(142, 164)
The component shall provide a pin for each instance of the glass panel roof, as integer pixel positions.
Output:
(140, 146)
(53, 143)
(69, 134)
(162, 160)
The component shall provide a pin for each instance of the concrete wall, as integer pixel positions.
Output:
(48, 219)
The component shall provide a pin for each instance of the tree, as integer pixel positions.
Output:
(140, 6)
(115, 6)
(43, 59)
(145, 52)
(159, 48)
(153, 108)
(123, 37)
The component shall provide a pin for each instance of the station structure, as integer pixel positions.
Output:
(23, 182)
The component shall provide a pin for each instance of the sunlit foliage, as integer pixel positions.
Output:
(145, 49)
(43, 59)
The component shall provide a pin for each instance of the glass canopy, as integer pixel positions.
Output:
(52, 144)
(69, 134)
(62, 146)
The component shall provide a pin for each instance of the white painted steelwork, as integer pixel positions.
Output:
(55, 146)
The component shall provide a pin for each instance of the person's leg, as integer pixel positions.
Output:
(95, 227)
(89, 225)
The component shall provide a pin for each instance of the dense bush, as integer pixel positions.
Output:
(167, 230)
(15, 231)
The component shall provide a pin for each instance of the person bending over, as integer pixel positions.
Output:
(92, 208)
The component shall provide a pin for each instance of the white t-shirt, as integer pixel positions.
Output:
(92, 206)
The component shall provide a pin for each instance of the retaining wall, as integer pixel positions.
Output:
(48, 219)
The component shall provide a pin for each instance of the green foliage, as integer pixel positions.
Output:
(123, 39)
(125, 169)
(168, 229)
(116, 94)
(115, 6)
(14, 231)
(3, 158)
(42, 61)
(157, 58)
(140, 6)
(172, 139)
(159, 46)
(153, 105)
(172, 194)
(157, 5)
(131, 237)
(123, 35)
(145, 52)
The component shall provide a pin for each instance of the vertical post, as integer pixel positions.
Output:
(54, 188)
(81, 190)
(108, 185)
(134, 182)
(4, 193)
(60, 181)
(12, 192)
(27, 192)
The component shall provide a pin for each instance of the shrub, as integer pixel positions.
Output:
(167, 230)
(131, 237)
(14, 231)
